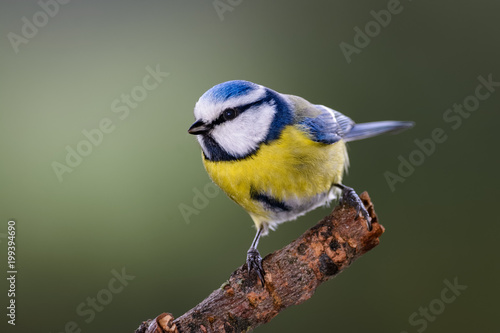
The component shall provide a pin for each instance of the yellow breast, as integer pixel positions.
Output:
(292, 167)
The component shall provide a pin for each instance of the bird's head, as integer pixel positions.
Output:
(234, 118)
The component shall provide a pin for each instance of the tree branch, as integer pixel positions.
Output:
(292, 275)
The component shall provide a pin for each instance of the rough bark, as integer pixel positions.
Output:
(292, 275)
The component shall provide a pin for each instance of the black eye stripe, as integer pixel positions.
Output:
(239, 110)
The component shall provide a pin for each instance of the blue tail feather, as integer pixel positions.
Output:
(367, 130)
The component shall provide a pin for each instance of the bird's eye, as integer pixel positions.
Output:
(230, 114)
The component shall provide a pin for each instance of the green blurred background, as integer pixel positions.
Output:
(120, 208)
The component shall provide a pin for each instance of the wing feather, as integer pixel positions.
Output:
(323, 124)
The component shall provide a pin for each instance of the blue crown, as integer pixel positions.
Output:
(229, 89)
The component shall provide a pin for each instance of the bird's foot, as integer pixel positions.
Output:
(254, 263)
(351, 198)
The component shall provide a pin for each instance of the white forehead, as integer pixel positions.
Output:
(208, 109)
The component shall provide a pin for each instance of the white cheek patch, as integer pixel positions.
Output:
(209, 110)
(243, 134)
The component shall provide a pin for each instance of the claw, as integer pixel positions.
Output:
(349, 197)
(254, 263)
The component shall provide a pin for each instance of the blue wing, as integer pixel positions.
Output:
(329, 126)
(329, 129)
(323, 127)
(345, 123)
(323, 124)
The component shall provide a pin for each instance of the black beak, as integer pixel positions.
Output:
(199, 127)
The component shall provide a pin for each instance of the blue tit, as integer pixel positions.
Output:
(278, 156)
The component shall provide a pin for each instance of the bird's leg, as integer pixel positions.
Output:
(254, 260)
(349, 197)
